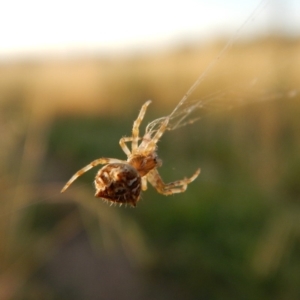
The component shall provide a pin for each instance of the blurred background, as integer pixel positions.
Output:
(73, 76)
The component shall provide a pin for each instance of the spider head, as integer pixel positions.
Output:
(118, 183)
(145, 163)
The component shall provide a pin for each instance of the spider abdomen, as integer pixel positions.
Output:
(118, 183)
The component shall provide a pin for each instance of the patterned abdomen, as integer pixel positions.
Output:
(118, 183)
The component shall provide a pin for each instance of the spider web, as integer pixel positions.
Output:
(188, 111)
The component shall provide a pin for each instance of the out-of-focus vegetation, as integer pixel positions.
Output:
(235, 232)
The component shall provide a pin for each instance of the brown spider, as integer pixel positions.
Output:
(121, 181)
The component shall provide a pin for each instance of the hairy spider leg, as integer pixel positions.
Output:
(136, 125)
(99, 161)
(152, 144)
(178, 186)
(123, 145)
(144, 183)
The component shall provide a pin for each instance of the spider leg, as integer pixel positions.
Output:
(136, 125)
(178, 186)
(99, 161)
(144, 183)
(123, 145)
(158, 134)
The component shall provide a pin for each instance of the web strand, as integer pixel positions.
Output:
(180, 114)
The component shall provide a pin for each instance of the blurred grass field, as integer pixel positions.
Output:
(235, 232)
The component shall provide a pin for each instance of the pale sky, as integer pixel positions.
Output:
(35, 27)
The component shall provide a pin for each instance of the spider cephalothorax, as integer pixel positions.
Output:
(122, 181)
(144, 164)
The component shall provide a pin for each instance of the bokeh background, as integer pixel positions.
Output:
(235, 232)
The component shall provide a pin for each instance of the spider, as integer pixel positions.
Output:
(120, 181)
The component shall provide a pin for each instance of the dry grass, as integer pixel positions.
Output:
(109, 85)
